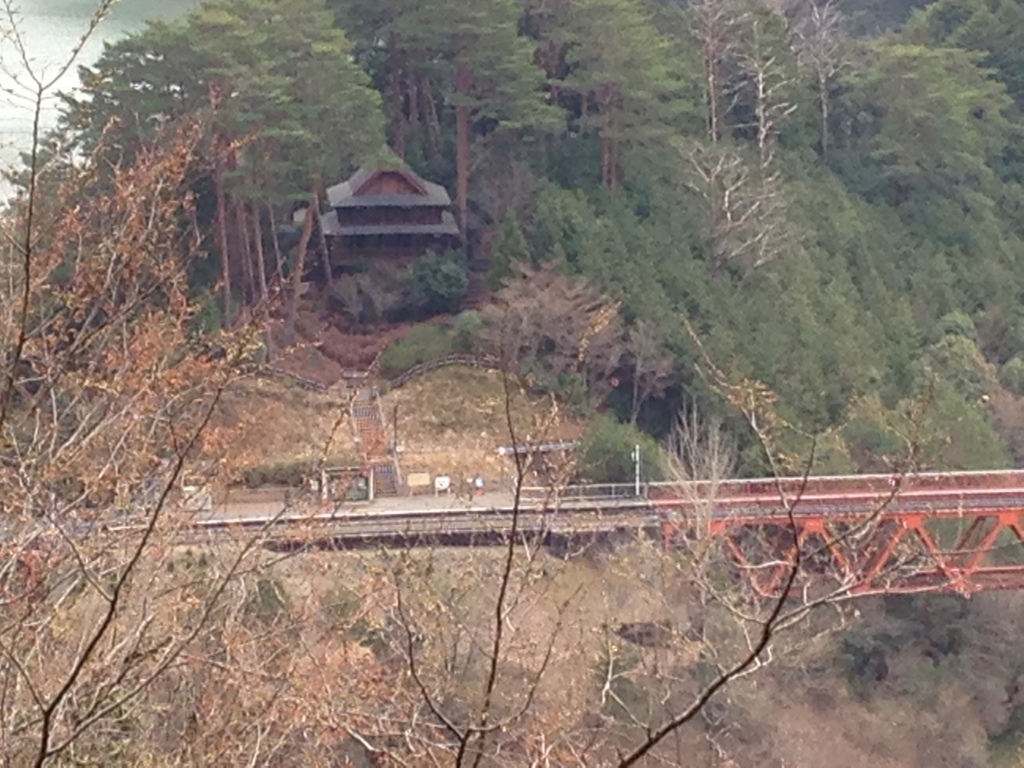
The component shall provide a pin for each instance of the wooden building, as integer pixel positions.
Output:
(388, 214)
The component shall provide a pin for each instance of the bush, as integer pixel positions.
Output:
(207, 318)
(292, 474)
(961, 435)
(424, 342)
(606, 452)
(341, 606)
(570, 387)
(269, 603)
(467, 326)
(440, 282)
(289, 473)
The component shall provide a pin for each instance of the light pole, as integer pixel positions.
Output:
(636, 466)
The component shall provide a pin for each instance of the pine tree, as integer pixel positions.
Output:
(487, 65)
(611, 54)
(287, 105)
(995, 29)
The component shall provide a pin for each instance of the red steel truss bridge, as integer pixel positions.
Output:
(960, 532)
(875, 534)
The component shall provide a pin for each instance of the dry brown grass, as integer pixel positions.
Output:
(453, 420)
(450, 421)
(276, 421)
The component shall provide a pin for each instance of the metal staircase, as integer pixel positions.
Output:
(371, 434)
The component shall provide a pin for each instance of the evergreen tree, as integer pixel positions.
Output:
(509, 249)
(487, 67)
(138, 84)
(930, 122)
(993, 28)
(622, 72)
(287, 107)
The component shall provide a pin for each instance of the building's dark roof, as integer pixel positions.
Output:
(343, 195)
(333, 229)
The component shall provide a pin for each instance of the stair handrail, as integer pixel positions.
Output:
(393, 452)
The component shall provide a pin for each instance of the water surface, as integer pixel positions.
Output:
(50, 29)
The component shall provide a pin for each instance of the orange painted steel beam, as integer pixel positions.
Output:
(872, 535)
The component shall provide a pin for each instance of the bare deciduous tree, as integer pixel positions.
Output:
(819, 45)
(651, 364)
(106, 403)
(553, 325)
(715, 28)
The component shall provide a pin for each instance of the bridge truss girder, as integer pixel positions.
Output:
(891, 552)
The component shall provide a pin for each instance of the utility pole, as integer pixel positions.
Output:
(636, 465)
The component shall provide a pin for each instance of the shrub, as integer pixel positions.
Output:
(468, 327)
(341, 605)
(870, 441)
(292, 473)
(424, 342)
(570, 387)
(440, 282)
(289, 473)
(268, 603)
(606, 452)
(207, 318)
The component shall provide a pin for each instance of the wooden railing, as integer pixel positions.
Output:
(470, 361)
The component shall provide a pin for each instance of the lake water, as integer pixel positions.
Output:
(50, 29)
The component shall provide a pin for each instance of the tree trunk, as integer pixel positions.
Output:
(222, 229)
(462, 83)
(413, 88)
(249, 288)
(261, 264)
(320, 192)
(278, 258)
(634, 411)
(619, 105)
(606, 107)
(395, 88)
(715, 33)
(325, 250)
(261, 272)
(823, 102)
(299, 268)
(711, 96)
(616, 163)
(603, 141)
(433, 124)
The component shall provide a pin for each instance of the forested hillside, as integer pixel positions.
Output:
(785, 231)
(839, 217)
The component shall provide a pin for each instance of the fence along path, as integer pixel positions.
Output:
(469, 361)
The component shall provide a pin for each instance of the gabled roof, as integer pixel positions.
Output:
(333, 229)
(351, 194)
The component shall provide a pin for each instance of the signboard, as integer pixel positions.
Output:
(418, 480)
(442, 484)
